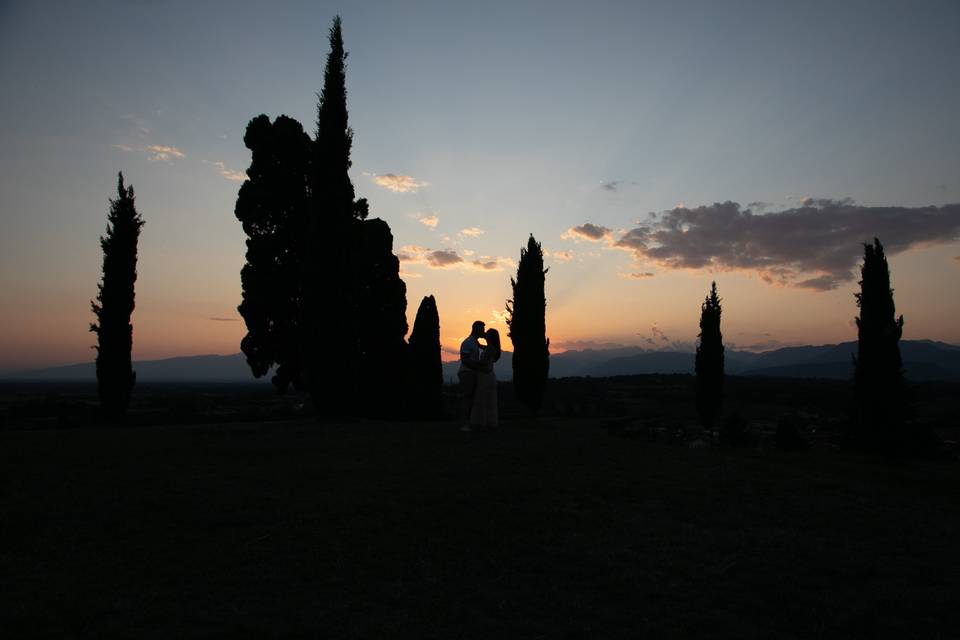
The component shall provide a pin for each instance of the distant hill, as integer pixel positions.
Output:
(208, 368)
(923, 360)
(665, 362)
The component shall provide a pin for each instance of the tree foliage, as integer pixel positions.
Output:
(322, 296)
(330, 297)
(272, 206)
(527, 323)
(381, 318)
(878, 367)
(115, 303)
(426, 368)
(709, 361)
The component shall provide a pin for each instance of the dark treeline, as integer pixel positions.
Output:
(323, 300)
(115, 303)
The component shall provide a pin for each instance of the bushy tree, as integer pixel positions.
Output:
(709, 361)
(878, 368)
(322, 295)
(115, 304)
(426, 368)
(272, 206)
(381, 319)
(527, 323)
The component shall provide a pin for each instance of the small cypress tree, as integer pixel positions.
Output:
(878, 368)
(426, 368)
(115, 304)
(272, 205)
(709, 361)
(527, 323)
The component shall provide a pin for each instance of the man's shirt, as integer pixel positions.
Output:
(469, 351)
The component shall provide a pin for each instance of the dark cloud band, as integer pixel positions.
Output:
(813, 247)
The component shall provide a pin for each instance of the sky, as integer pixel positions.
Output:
(651, 147)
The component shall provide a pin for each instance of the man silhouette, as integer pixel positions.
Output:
(469, 364)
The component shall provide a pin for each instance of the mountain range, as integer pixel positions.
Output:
(923, 360)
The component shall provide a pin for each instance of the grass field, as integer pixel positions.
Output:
(373, 529)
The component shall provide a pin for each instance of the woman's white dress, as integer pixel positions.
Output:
(484, 411)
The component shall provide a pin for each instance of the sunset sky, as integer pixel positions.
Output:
(650, 146)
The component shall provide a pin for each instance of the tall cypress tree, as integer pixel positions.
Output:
(115, 304)
(878, 372)
(528, 329)
(329, 299)
(272, 205)
(709, 361)
(426, 368)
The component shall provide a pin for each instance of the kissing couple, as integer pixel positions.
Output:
(478, 382)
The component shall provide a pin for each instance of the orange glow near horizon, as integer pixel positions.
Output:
(586, 305)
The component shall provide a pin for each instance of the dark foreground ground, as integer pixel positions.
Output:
(565, 529)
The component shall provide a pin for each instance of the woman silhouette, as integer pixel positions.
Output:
(483, 415)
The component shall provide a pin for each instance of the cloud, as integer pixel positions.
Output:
(658, 333)
(659, 340)
(215, 319)
(229, 174)
(398, 183)
(611, 185)
(489, 264)
(811, 247)
(429, 221)
(412, 253)
(159, 152)
(808, 201)
(586, 231)
(562, 256)
(486, 265)
(569, 345)
(443, 258)
(956, 258)
(759, 205)
(449, 258)
(155, 152)
(498, 317)
(472, 232)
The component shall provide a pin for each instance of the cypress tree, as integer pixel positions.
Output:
(381, 318)
(878, 368)
(426, 368)
(527, 323)
(115, 304)
(329, 298)
(272, 205)
(709, 361)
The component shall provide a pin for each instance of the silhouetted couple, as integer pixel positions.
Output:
(478, 382)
